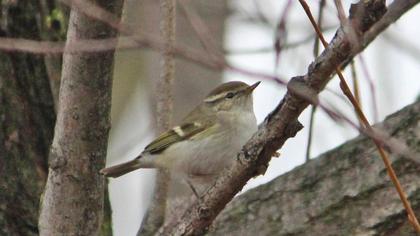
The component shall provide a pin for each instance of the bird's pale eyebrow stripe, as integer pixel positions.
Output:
(215, 97)
(178, 131)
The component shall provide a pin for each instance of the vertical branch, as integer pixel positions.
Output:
(53, 21)
(356, 90)
(310, 133)
(156, 213)
(74, 194)
(313, 108)
(281, 33)
(371, 87)
(164, 85)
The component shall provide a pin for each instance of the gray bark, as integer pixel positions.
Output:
(345, 191)
(73, 199)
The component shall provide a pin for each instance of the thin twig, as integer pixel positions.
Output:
(310, 133)
(201, 30)
(340, 10)
(346, 90)
(356, 90)
(155, 215)
(124, 43)
(313, 108)
(155, 43)
(260, 14)
(281, 33)
(345, 24)
(372, 88)
(270, 49)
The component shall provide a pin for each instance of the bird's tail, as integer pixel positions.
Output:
(121, 169)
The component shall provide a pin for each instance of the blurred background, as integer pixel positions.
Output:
(245, 31)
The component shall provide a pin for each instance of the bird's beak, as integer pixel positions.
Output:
(252, 87)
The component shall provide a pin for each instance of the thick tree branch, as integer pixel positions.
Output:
(282, 124)
(74, 194)
(343, 192)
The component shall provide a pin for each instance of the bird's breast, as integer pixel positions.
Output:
(210, 155)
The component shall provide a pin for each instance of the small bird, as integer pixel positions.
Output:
(208, 138)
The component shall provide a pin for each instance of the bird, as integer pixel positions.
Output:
(206, 141)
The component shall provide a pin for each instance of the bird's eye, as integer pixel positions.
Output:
(230, 95)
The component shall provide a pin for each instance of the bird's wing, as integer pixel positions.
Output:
(176, 134)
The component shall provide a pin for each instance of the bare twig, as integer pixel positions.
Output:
(149, 41)
(276, 129)
(167, 76)
(355, 86)
(270, 49)
(346, 90)
(372, 88)
(155, 215)
(261, 16)
(201, 30)
(355, 82)
(281, 33)
(157, 44)
(406, 45)
(346, 25)
(340, 11)
(124, 43)
(321, 7)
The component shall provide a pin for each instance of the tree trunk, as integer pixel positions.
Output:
(27, 119)
(345, 191)
(73, 199)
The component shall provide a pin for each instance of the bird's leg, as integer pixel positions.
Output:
(193, 189)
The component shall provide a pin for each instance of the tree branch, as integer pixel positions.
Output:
(282, 124)
(74, 194)
(155, 215)
(342, 192)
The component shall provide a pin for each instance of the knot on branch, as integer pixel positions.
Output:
(293, 128)
(56, 160)
(298, 87)
(247, 155)
(365, 13)
(203, 212)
